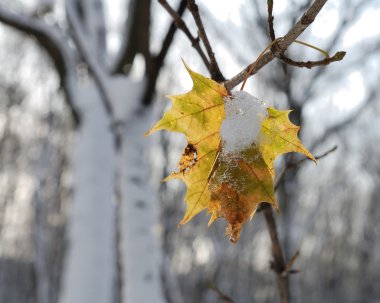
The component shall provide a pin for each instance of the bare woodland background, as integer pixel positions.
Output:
(83, 215)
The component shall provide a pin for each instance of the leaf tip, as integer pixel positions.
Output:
(173, 175)
(184, 220)
(311, 157)
(276, 208)
(233, 232)
(147, 133)
(186, 66)
(152, 130)
(212, 219)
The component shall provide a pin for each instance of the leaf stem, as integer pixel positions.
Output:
(326, 54)
(257, 60)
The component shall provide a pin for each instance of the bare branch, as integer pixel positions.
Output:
(222, 296)
(281, 46)
(305, 21)
(95, 28)
(350, 14)
(270, 20)
(94, 68)
(278, 262)
(88, 57)
(53, 41)
(182, 26)
(295, 164)
(158, 61)
(170, 34)
(237, 79)
(136, 37)
(349, 120)
(215, 72)
(288, 268)
(309, 64)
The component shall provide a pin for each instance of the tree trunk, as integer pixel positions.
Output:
(140, 213)
(90, 262)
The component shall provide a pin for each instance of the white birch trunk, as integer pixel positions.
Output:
(90, 261)
(40, 227)
(142, 251)
(140, 241)
(91, 264)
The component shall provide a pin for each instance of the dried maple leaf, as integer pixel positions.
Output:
(239, 183)
(229, 184)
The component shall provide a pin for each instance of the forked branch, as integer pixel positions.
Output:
(183, 27)
(54, 43)
(281, 46)
(215, 72)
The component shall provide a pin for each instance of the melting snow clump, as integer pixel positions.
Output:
(244, 117)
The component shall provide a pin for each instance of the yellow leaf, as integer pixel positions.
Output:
(198, 114)
(229, 184)
(279, 136)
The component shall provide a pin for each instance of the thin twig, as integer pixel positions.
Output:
(371, 98)
(215, 72)
(182, 26)
(222, 296)
(170, 34)
(325, 53)
(270, 20)
(288, 268)
(53, 41)
(331, 150)
(297, 163)
(310, 64)
(256, 62)
(159, 59)
(279, 48)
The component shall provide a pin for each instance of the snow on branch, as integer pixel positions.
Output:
(89, 57)
(53, 41)
(94, 25)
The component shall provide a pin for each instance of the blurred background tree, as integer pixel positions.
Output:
(83, 216)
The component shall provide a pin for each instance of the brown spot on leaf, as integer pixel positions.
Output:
(189, 158)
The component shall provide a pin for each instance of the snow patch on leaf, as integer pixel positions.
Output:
(244, 117)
